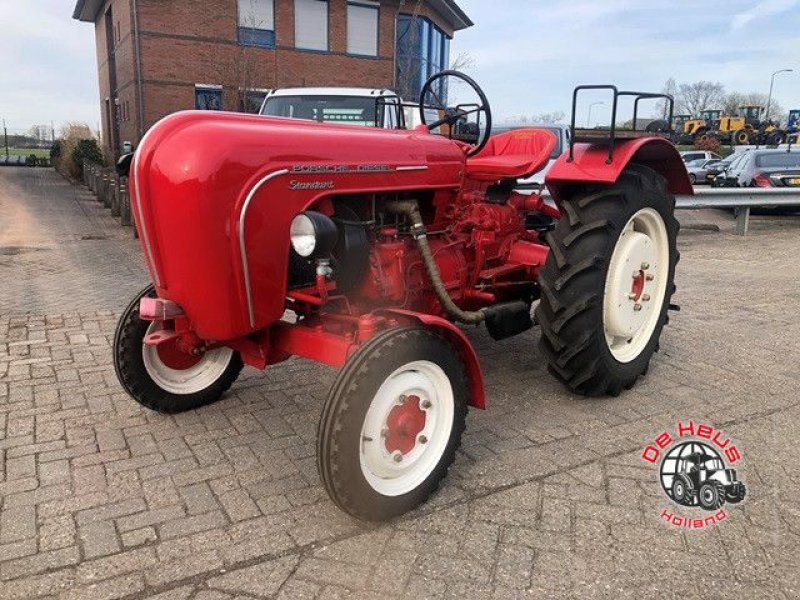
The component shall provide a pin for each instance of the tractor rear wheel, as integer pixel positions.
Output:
(392, 422)
(164, 378)
(711, 495)
(608, 281)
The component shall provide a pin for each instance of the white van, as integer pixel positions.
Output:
(363, 107)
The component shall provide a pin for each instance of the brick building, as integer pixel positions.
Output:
(158, 56)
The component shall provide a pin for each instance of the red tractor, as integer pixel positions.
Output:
(362, 248)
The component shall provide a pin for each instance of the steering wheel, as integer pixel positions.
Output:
(455, 117)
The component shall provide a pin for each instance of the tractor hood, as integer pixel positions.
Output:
(213, 195)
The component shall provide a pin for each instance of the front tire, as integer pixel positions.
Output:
(738, 496)
(680, 492)
(163, 378)
(392, 422)
(608, 281)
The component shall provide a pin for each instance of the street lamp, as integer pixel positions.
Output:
(589, 116)
(771, 85)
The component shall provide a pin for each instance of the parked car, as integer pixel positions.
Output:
(728, 165)
(763, 168)
(698, 169)
(692, 155)
(562, 145)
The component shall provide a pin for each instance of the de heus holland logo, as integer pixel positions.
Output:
(694, 473)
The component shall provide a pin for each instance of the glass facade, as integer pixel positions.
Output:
(422, 50)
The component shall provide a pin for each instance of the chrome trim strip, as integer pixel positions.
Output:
(242, 250)
(142, 227)
(413, 168)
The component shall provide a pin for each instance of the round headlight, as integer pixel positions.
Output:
(313, 234)
(303, 235)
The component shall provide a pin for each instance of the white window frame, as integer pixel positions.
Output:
(362, 5)
(267, 25)
(304, 42)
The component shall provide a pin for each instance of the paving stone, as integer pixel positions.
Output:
(38, 563)
(264, 579)
(98, 538)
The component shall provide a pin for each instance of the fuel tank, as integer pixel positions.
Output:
(213, 195)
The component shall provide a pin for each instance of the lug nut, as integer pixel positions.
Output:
(636, 274)
(385, 432)
(645, 266)
(646, 297)
(402, 398)
(426, 404)
(631, 296)
(398, 457)
(650, 277)
(423, 439)
(637, 307)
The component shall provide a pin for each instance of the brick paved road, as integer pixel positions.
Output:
(548, 497)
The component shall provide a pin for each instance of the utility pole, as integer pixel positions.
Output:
(5, 136)
(771, 85)
(589, 116)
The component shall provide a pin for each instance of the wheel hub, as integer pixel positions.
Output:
(634, 267)
(635, 284)
(403, 425)
(406, 428)
(172, 356)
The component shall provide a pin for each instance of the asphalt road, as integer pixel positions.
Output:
(549, 496)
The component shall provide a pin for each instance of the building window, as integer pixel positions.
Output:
(250, 101)
(422, 50)
(311, 24)
(362, 27)
(256, 23)
(208, 97)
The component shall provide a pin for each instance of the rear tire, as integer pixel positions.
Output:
(392, 422)
(711, 495)
(168, 386)
(584, 333)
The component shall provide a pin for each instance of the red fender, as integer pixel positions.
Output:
(590, 165)
(462, 344)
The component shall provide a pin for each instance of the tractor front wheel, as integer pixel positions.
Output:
(608, 281)
(680, 492)
(392, 422)
(734, 497)
(164, 378)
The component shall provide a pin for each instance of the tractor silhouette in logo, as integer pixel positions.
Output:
(694, 474)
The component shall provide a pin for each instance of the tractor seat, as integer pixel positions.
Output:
(515, 154)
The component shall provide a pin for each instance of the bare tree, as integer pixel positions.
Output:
(671, 89)
(700, 95)
(734, 100)
(464, 61)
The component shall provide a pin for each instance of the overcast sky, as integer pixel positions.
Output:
(529, 53)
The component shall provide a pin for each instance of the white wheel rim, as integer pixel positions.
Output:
(636, 285)
(191, 380)
(416, 386)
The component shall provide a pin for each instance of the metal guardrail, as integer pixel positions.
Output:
(742, 199)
